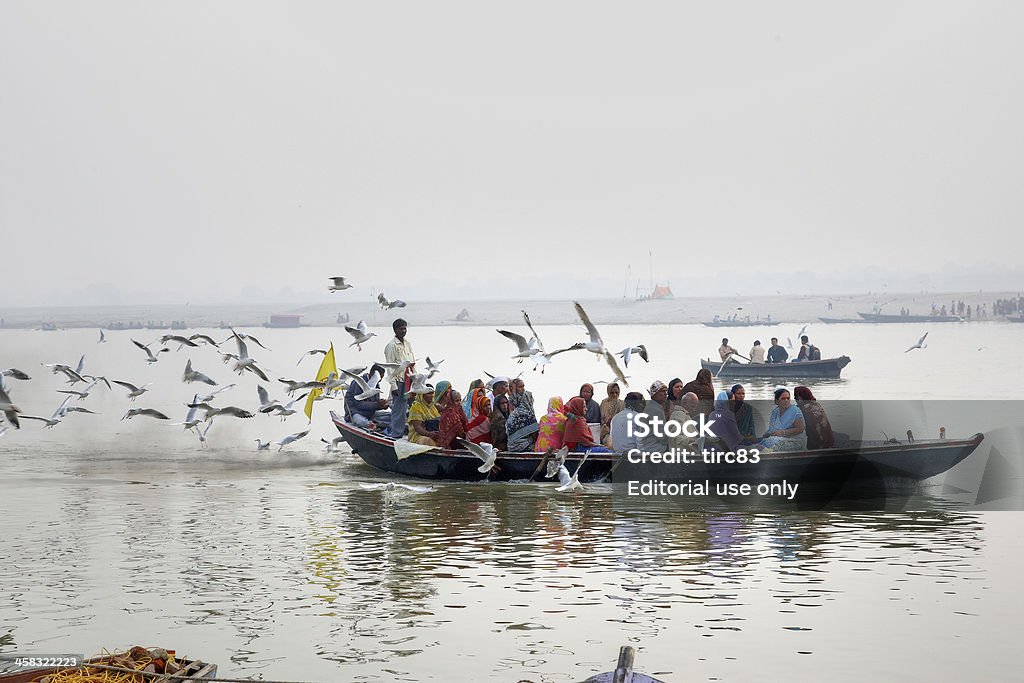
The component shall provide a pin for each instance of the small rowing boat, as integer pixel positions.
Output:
(378, 451)
(739, 323)
(896, 318)
(812, 369)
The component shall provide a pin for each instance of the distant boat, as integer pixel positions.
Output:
(1017, 319)
(740, 323)
(814, 369)
(837, 321)
(48, 327)
(897, 318)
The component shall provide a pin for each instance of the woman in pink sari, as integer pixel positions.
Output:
(552, 427)
(478, 429)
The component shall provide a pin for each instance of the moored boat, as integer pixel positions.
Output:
(838, 321)
(825, 368)
(889, 318)
(739, 323)
(378, 451)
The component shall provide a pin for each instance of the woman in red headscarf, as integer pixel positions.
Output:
(577, 432)
(478, 429)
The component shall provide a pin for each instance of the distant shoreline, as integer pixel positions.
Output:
(679, 310)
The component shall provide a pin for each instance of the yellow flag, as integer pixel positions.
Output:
(326, 368)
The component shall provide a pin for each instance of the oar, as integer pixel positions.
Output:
(722, 366)
(543, 461)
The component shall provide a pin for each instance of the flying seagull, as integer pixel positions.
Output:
(262, 445)
(432, 367)
(388, 305)
(15, 373)
(150, 356)
(919, 345)
(628, 352)
(204, 338)
(133, 391)
(594, 344)
(370, 387)
(574, 482)
(149, 412)
(103, 338)
(288, 409)
(244, 362)
(53, 419)
(393, 486)
(485, 451)
(359, 334)
(209, 397)
(339, 284)
(311, 352)
(266, 404)
(191, 375)
(291, 438)
(525, 348)
(8, 408)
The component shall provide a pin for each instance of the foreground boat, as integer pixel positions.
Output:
(827, 368)
(865, 462)
(887, 318)
(378, 451)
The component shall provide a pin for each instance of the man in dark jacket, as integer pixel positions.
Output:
(367, 412)
(777, 354)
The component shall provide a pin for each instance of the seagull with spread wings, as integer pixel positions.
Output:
(919, 345)
(359, 334)
(245, 362)
(133, 391)
(191, 375)
(150, 356)
(339, 284)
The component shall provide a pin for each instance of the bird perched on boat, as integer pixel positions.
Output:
(359, 334)
(291, 438)
(103, 338)
(133, 391)
(191, 375)
(388, 305)
(245, 362)
(266, 404)
(432, 367)
(339, 284)
(595, 344)
(262, 445)
(15, 373)
(181, 341)
(394, 486)
(150, 356)
(148, 412)
(574, 482)
(628, 352)
(311, 352)
(919, 345)
(485, 451)
(8, 408)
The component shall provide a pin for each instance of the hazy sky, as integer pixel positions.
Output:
(195, 148)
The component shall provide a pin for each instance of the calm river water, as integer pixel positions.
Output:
(280, 566)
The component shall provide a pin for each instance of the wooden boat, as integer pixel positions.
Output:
(623, 671)
(889, 318)
(826, 368)
(378, 451)
(740, 323)
(1015, 319)
(192, 670)
(839, 321)
(849, 461)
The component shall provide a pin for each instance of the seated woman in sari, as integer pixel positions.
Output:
(610, 407)
(593, 409)
(498, 420)
(786, 427)
(478, 429)
(424, 419)
(819, 430)
(578, 436)
(552, 426)
(704, 386)
(727, 433)
(521, 425)
(467, 404)
(744, 413)
(453, 420)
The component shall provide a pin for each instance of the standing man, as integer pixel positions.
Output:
(777, 354)
(398, 350)
(725, 350)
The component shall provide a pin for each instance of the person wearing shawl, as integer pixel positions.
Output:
(424, 419)
(593, 413)
(498, 419)
(578, 436)
(704, 387)
(453, 420)
(610, 407)
(786, 426)
(819, 431)
(724, 428)
(675, 396)
(467, 403)
(744, 413)
(552, 426)
(521, 425)
(478, 429)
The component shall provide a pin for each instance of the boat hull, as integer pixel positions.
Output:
(377, 451)
(886, 318)
(740, 323)
(816, 369)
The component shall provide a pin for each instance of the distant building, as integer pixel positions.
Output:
(284, 320)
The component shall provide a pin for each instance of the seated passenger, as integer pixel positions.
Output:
(610, 407)
(744, 413)
(819, 431)
(654, 441)
(478, 428)
(776, 353)
(453, 420)
(702, 385)
(724, 427)
(369, 412)
(498, 419)
(685, 411)
(522, 423)
(757, 353)
(593, 413)
(467, 403)
(619, 431)
(552, 427)
(786, 427)
(578, 436)
(424, 419)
